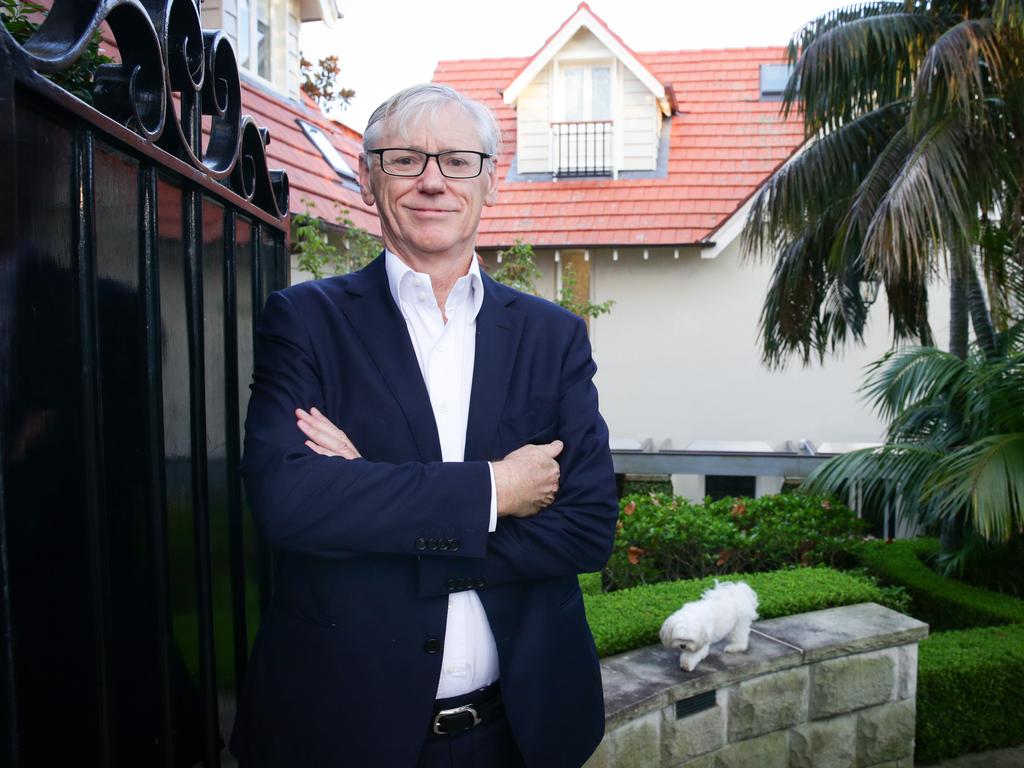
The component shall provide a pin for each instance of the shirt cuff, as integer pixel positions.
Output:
(494, 501)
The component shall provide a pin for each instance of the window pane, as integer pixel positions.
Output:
(573, 80)
(244, 38)
(263, 37)
(601, 90)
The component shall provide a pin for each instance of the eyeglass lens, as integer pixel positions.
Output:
(412, 162)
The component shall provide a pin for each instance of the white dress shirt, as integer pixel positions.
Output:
(445, 352)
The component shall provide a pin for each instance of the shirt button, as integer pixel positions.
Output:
(417, 282)
(443, 407)
(421, 296)
(432, 645)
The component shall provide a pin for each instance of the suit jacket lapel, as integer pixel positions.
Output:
(370, 308)
(498, 330)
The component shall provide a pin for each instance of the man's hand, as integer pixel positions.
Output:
(325, 438)
(526, 480)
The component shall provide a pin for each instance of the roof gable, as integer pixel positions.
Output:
(581, 18)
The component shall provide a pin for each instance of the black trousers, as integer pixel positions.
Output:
(488, 745)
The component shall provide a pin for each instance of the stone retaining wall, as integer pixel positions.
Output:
(818, 690)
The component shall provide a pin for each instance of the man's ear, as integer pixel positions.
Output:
(492, 184)
(364, 180)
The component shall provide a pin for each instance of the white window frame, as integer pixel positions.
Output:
(252, 67)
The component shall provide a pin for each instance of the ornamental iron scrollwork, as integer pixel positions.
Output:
(172, 74)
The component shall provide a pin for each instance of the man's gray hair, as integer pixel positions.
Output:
(406, 109)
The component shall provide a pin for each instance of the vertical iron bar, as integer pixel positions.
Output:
(8, 256)
(258, 288)
(92, 431)
(236, 541)
(156, 486)
(193, 202)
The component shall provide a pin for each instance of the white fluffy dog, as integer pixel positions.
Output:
(726, 610)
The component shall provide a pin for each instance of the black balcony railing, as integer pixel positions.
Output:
(583, 148)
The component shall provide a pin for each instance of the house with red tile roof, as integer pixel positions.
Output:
(636, 168)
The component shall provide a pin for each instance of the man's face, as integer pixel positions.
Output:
(430, 216)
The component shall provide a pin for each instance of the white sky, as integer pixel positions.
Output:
(386, 45)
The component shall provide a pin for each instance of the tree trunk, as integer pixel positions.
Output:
(981, 318)
(958, 328)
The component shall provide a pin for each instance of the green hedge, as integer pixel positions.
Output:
(945, 604)
(631, 618)
(969, 692)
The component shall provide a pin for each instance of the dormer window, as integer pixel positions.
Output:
(254, 37)
(587, 92)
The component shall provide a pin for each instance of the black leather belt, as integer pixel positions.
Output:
(484, 706)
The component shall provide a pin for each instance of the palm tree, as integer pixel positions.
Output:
(914, 114)
(954, 451)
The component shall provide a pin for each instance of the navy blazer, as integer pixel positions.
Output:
(346, 664)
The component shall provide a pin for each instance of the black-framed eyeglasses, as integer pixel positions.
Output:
(454, 164)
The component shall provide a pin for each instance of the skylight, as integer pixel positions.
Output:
(773, 80)
(327, 149)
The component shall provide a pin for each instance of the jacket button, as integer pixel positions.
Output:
(451, 585)
(479, 582)
(421, 544)
(432, 645)
(443, 545)
(453, 545)
(431, 544)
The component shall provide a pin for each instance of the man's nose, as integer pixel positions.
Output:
(432, 180)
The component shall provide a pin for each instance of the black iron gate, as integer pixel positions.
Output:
(138, 241)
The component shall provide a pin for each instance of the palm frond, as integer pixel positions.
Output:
(986, 478)
(821, 178)
(961, 67)
(909, 378)
(856, 59)
(930, 201)
(1008, 14)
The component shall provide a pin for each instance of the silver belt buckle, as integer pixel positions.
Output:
(455, 711)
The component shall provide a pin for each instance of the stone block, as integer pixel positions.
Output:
(767, 703)
(691, 736)
(824, 744)
(852, 682)
(704, 761)
(906, 762)
(886, 733)
(636, 744)
(906, 685)
(600, 758)
(771, 751)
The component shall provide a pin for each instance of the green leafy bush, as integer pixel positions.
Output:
(664, 538)
(590, 583)
(944, 603)
(631, 618)
(968, 691)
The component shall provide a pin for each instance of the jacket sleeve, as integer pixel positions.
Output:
(575, 534)
(334, 507)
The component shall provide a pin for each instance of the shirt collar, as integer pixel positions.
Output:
(399, 272)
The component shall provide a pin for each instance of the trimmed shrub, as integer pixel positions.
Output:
(590, 583)
(665, 538)
(942, 602)
(631, 618)
(968, 692)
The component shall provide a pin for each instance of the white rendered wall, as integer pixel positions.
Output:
(678, 358)
(533, 125)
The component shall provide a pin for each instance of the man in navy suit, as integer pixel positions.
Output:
(424, 453)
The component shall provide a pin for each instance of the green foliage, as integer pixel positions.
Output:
(662, 538)
(76, 79)
(954, 452)
(631, 618)
(590, 583)
(320, 82)
(968, 692)
(318, 256)
(519, 270)
(569, 298)
(646, 486)
(944, 603)
(915, 112)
